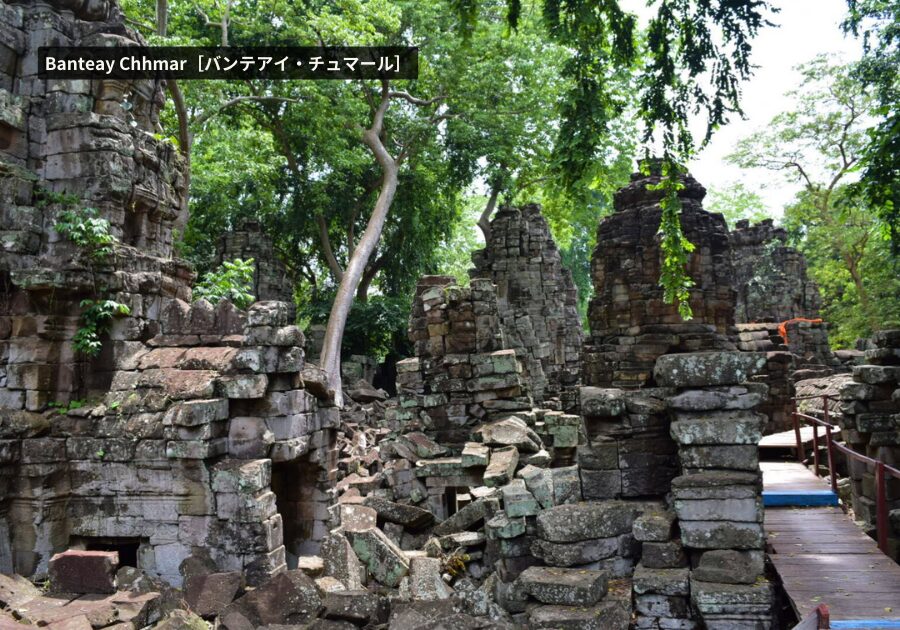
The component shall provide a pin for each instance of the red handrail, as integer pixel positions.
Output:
(881, 469)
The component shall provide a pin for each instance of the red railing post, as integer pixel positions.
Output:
(796, 422)
(831, 473)
(881, 511)
(816, 448)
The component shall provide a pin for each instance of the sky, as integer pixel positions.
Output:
(806, 29)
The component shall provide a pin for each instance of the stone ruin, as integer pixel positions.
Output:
(537, 300)
(271, 281)
(193, 426)
(523, 476)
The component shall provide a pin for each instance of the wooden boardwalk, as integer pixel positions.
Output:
(822, 557)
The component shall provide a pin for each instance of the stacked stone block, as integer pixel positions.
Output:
(631, 324)
(538, 302)
(463, 371)
(770, 278)
(870, 424)
(717, 498)
(178, 452)
(270, 277)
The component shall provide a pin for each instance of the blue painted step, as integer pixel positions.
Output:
(799, 498)
(867, 624)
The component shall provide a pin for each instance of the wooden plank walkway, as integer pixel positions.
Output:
(788, 439)
(824, 558)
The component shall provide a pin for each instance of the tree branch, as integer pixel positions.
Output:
(243, 99)
(406, 96)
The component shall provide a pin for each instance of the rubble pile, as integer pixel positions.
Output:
(631, 324)
(870, 424)
(538, 302)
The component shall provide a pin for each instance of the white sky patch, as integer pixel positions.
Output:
(806, 28)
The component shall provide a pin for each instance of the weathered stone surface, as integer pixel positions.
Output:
(407, 515)
(721, 535)
(502, 466)
(290, 597)
(586, 521)
(663, 555)
(384, 560)
(425, 581)
(475, 454)
(728, 566)
(602, 402)
(699, 369)
(517, 501)
(566, 485)
(208, 595)
(567, 587)
(661, 581)
(724, 427)
(359, 607)
(340, 561)
(569, 554)
(79, 571)
(476, 511)
(654, 526)
(609, 614)
(181, 620)
(510, 432)
(750, 510)
(539, 482)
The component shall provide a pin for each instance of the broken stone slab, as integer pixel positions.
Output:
(290, 597)
(461, 539)
(340, 561)
(750, 510)
(502, 466)
(602, 402)
(732, 599)
(359, 607)
(699, 369)
(249, 438)
(740, 397)
(662, 606)
(576, 553)
(385, 561)
(101, 610)
(355, 517)
(609, 614)
(661, 581)
(208, 595)
(718, 427)
(721, 535)
(443, 467)
(586, 521)
(541, 459)
(329, 584)
(502, 526)
(16, 591)
(517, 501)
(476, 511)
(734, 457)
(80, 571)
(663, 555)
(475, 454)
(180, 620)
(409, 516)
(510, 431)
(539, 482)
(422, 445)
(425, 581)
(719, 484)
(565, 587)
(566, 485)
(729, 566)
(247, 477)
(654, 527)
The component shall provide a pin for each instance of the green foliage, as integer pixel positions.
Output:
(375, 327)
(64, 408)
(232, 280)
(454, 256)
(674, 245)
(736, 202)
(96, 319)
(83, 226)
(878, 23)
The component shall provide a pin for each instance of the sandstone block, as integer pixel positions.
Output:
(79, 571)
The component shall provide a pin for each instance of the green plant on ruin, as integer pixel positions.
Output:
(64, 408)
(96, 319)
(674, 245)
(232, 280)
(88, 230)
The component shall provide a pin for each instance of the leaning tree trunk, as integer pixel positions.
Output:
(353, 273)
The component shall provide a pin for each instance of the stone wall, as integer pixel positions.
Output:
(631, 324)
(770, 278)
(537, 299)
(870, 423)
(270, 279)
(191, 427)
